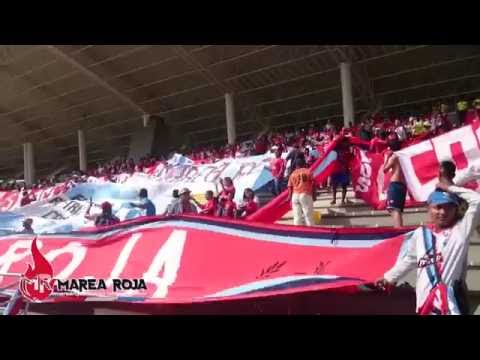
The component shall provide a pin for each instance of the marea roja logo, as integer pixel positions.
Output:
(37, 284)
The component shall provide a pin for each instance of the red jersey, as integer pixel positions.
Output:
(209, 208)
(277, 167)
(229, 208)
(228, 192)
(250, 207)
(261, 146)
(377, 145)
(25, 201)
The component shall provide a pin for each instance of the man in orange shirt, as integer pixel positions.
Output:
(301, 192)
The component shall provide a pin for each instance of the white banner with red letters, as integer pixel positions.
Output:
(420, 162)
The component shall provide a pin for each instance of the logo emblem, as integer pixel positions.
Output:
(36, 284)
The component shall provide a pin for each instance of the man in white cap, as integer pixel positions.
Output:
(440, 252)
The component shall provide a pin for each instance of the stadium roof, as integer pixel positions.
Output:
(48, 92)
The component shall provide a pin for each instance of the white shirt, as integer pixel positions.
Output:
(401, 133)
(451, 244)
(472, 173)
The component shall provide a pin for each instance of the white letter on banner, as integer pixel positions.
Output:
(78, 254)
(123, 258)
(364, 181)
(168, 258)
(11, 256)
(467, 139)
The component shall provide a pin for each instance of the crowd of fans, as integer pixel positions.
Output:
(306, 144)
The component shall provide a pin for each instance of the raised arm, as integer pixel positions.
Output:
(471, 217)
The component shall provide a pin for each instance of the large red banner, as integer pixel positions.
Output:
(195, 259)
(369, 181)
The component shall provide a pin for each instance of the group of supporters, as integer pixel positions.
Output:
(221, 205)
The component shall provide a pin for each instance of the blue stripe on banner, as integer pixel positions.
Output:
(323, 239)
(333, 235)
(331, 157)
(282, 283)
(131, 298)
(249, 232)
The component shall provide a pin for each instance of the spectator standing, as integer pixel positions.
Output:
(341, 176)
(365, 132)
(418, 127)
(27, 198)
(378, 144)
(248, 205)
(173, 202)
(184, 205)
(293, 156)
(400, 131)
(211, 207)
(106, 218)
(302, 193)
(397, 189)
(228, 189)
(440, 253)
(277, 167)
(227, 207)
(27, 227)
(145, 203)
(462, 109)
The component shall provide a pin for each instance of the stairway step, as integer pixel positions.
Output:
(365, 212)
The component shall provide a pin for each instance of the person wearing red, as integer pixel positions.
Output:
(210, 208)
(228, 189)
(277, 167)
(249, 205)
(378, 144)
(27, 198)
(227, 208)
(261, 145)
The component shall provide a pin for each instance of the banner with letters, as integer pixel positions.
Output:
(369, 181)
(198, 259)
(62, 208)
(420, 162)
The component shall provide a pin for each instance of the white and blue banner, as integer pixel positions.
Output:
(65, 212)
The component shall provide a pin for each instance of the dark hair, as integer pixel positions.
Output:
(143, 193)
(394, 145)
(447, 168)
(175, 193)
(245, 193)
(209, 193)
(300, 162)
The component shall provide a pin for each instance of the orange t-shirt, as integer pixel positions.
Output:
(301, 180)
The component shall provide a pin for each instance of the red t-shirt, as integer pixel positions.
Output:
(261, 146)
(209, 208)
(377, 145)
(277, 167)
(25, 201)
(229, 209)
(250, 207)
(228, 192)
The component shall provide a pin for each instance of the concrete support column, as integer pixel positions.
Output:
(347, 97)
(230, 114)
(28, 163)
(82, 151)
